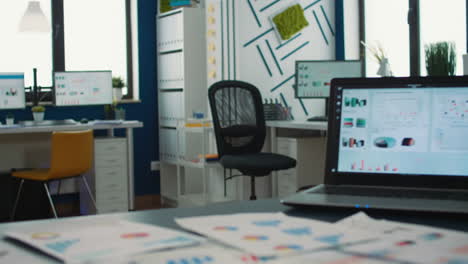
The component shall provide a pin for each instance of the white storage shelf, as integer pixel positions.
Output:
(182, 90)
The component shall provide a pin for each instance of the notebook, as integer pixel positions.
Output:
(395, 143)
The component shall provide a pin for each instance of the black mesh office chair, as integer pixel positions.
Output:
(240, 131)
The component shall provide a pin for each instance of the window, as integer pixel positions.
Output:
(450, 25)
(404, 27)
(386, 26)
(86, 35)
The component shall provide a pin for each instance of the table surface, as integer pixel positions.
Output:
(165, 218)
(310, 125)
(99, 124)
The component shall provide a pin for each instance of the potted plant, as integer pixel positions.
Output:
(117, 83)
(38, 112)
(441, 59)
(9, 119)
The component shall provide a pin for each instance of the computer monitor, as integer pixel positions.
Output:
(313, 77)
(12, 95)
(83, 88)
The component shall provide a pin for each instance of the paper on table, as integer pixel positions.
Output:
(204, 254)
(267, 234)
(328, 257)
(78, 240)
(12, 254)
(408, 242)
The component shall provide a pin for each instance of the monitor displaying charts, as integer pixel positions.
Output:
(313, 78)
(12, 94)
(83, 88)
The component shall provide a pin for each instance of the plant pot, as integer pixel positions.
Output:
(117, 93)
(120, 114)
(38, 116)
(10, 121)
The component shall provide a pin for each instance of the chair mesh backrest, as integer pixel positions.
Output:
(238, 118)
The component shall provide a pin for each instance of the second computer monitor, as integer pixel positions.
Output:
(12, 95)
(83, 88)
(313, 77)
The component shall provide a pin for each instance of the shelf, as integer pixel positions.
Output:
(199, 165)
(190, 200)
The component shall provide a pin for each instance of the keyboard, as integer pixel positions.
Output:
(393, 193)
(48, 123)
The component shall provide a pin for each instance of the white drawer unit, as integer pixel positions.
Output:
(309, 153)
(109, 179)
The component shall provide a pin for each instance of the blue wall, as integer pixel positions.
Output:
(146, 138)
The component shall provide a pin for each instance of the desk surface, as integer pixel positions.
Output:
(17, 129)
(165, 217)
(319, 125)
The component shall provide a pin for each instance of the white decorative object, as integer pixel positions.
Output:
(117, 93)
(9, 121)
(38, 116)
(384, 68)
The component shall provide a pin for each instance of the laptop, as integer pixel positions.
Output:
(395, 143)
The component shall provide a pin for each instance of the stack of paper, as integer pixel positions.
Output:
(82, 241)
(266, 234)
(409, 242)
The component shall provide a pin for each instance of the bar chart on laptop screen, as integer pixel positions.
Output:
(409, 131)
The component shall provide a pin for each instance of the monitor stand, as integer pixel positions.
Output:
(321, 118)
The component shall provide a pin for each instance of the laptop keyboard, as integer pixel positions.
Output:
(393, 193)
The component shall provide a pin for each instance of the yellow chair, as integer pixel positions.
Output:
(71, 156)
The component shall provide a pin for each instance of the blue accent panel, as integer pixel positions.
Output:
(145, 139)
(285, 103)
(320, 27)
(288, 41)
(254, 13)
(303, 107)
(11, 76)
(339, 25)
(264, 61)
(295, 50)
(328, 21)
(257, 37)
(274, 57)
(269, 5)
(311, 5)
(282, 83)
(284, 100)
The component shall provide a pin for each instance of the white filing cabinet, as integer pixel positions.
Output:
(109, 182)
(182, 89)
(309, 153)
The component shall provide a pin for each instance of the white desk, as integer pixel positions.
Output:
(109, 126)
(275, 126)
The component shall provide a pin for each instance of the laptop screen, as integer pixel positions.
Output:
(399, 126)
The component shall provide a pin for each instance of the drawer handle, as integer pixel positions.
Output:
(112, 160)
(111, 173)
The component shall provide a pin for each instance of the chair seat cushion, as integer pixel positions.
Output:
(34, 175)
(257, 164)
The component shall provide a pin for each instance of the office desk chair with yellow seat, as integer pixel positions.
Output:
(71, 156)
(240, 131)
